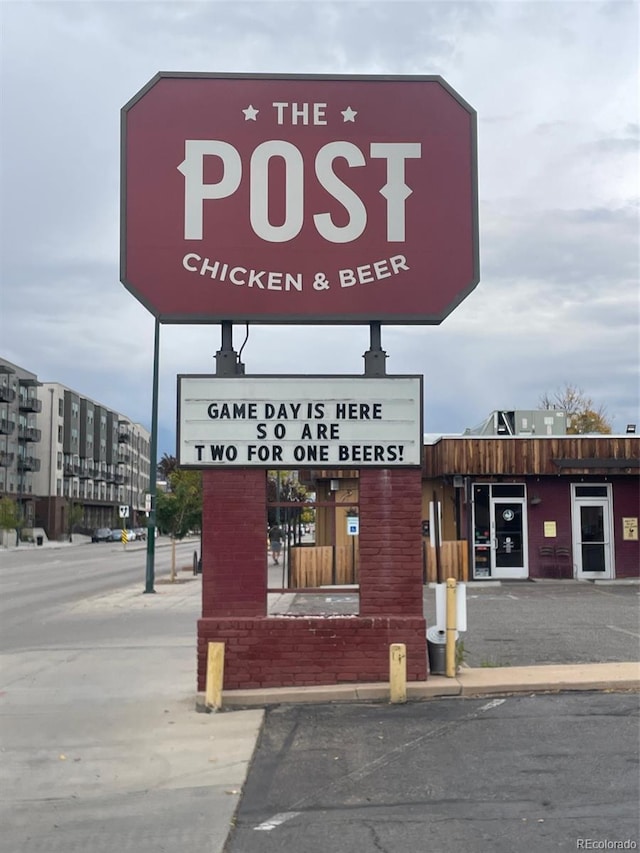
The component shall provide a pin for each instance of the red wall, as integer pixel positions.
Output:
(626, 504)
(303, 650)
(263, 651)
(555, 505)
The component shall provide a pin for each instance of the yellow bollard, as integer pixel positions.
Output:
(451, 628)
(397, 673)
(215, 675)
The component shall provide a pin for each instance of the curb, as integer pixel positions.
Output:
(490, 681)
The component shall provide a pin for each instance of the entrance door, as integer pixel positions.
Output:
(499, 531)
(592, 537)
(508, 539)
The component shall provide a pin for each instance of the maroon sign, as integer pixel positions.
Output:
(275, 199)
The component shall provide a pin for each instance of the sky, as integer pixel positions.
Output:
(555, 86)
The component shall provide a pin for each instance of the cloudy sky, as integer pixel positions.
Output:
(555, 87)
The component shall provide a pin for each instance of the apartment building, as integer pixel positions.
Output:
(20, 436)
(90, 460)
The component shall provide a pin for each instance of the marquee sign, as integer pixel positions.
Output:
(308, 199)
(299, 422)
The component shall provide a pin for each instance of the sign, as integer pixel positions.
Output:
(630, 529)
(299, 422)
(550, 529)
(147, 503)
(353, 525)
(123, 511)
(310, 199)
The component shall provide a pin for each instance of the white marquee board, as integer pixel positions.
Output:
(299, 422)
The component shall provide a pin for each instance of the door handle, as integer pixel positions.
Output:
(495, 543)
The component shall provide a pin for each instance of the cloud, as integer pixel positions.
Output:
(555, 86)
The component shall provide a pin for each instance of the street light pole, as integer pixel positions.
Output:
(153, 453)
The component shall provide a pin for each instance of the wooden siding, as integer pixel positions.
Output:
(473, 455)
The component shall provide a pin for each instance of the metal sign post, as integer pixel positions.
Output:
(153, 464)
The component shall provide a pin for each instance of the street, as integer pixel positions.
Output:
(44, 592)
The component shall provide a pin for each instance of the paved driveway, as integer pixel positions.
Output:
(534, 773)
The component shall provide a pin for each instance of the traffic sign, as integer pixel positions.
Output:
(281, 199)
(124, 511)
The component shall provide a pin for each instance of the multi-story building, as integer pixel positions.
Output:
(90, 459)
(20, 437)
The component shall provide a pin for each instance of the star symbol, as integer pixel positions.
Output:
(250, 113)
(349, 114)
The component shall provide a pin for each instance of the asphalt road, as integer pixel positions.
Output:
(522, 623)
(534, 773)
(40, 587)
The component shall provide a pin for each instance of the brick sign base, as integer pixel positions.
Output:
(284, 651)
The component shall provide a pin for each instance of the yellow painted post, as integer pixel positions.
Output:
(450, 650)
(215, 675)
(397, 673)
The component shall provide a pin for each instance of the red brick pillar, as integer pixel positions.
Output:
(390, 542)
(234, 542)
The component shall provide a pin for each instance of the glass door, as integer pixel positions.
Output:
(509, 560)
(591, 537)
(499, 531)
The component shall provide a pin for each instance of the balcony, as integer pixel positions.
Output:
(7, 395)
(6, 459)
(29, 433)
(99, 474)
(28, 463)
(123, 436)
(30, 404)
(71, 469)
(123, 458)
(86, 470)
(6, 427)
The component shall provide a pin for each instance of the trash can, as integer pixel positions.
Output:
(39, 540)
(437, 650)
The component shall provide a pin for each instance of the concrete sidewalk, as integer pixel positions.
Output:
(468, 683)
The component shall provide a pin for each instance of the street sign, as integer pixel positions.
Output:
(308, 199)
(124, 511)
(147, 503)
(353, 525)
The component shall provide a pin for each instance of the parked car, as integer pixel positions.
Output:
(116, 535)
(101, 534)
(140, 532)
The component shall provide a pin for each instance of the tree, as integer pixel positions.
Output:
(76, 515)
(180, 509)
(582, 416)
(166, 466)
(283, 486)
(9, 514)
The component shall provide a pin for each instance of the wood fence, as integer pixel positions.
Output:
(454, 561)
(313, 566)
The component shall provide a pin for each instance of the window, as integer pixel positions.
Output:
(591, 492)
(507, 490)
(59, 462)
(60, 434)
(59, 487)
(60, 407)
